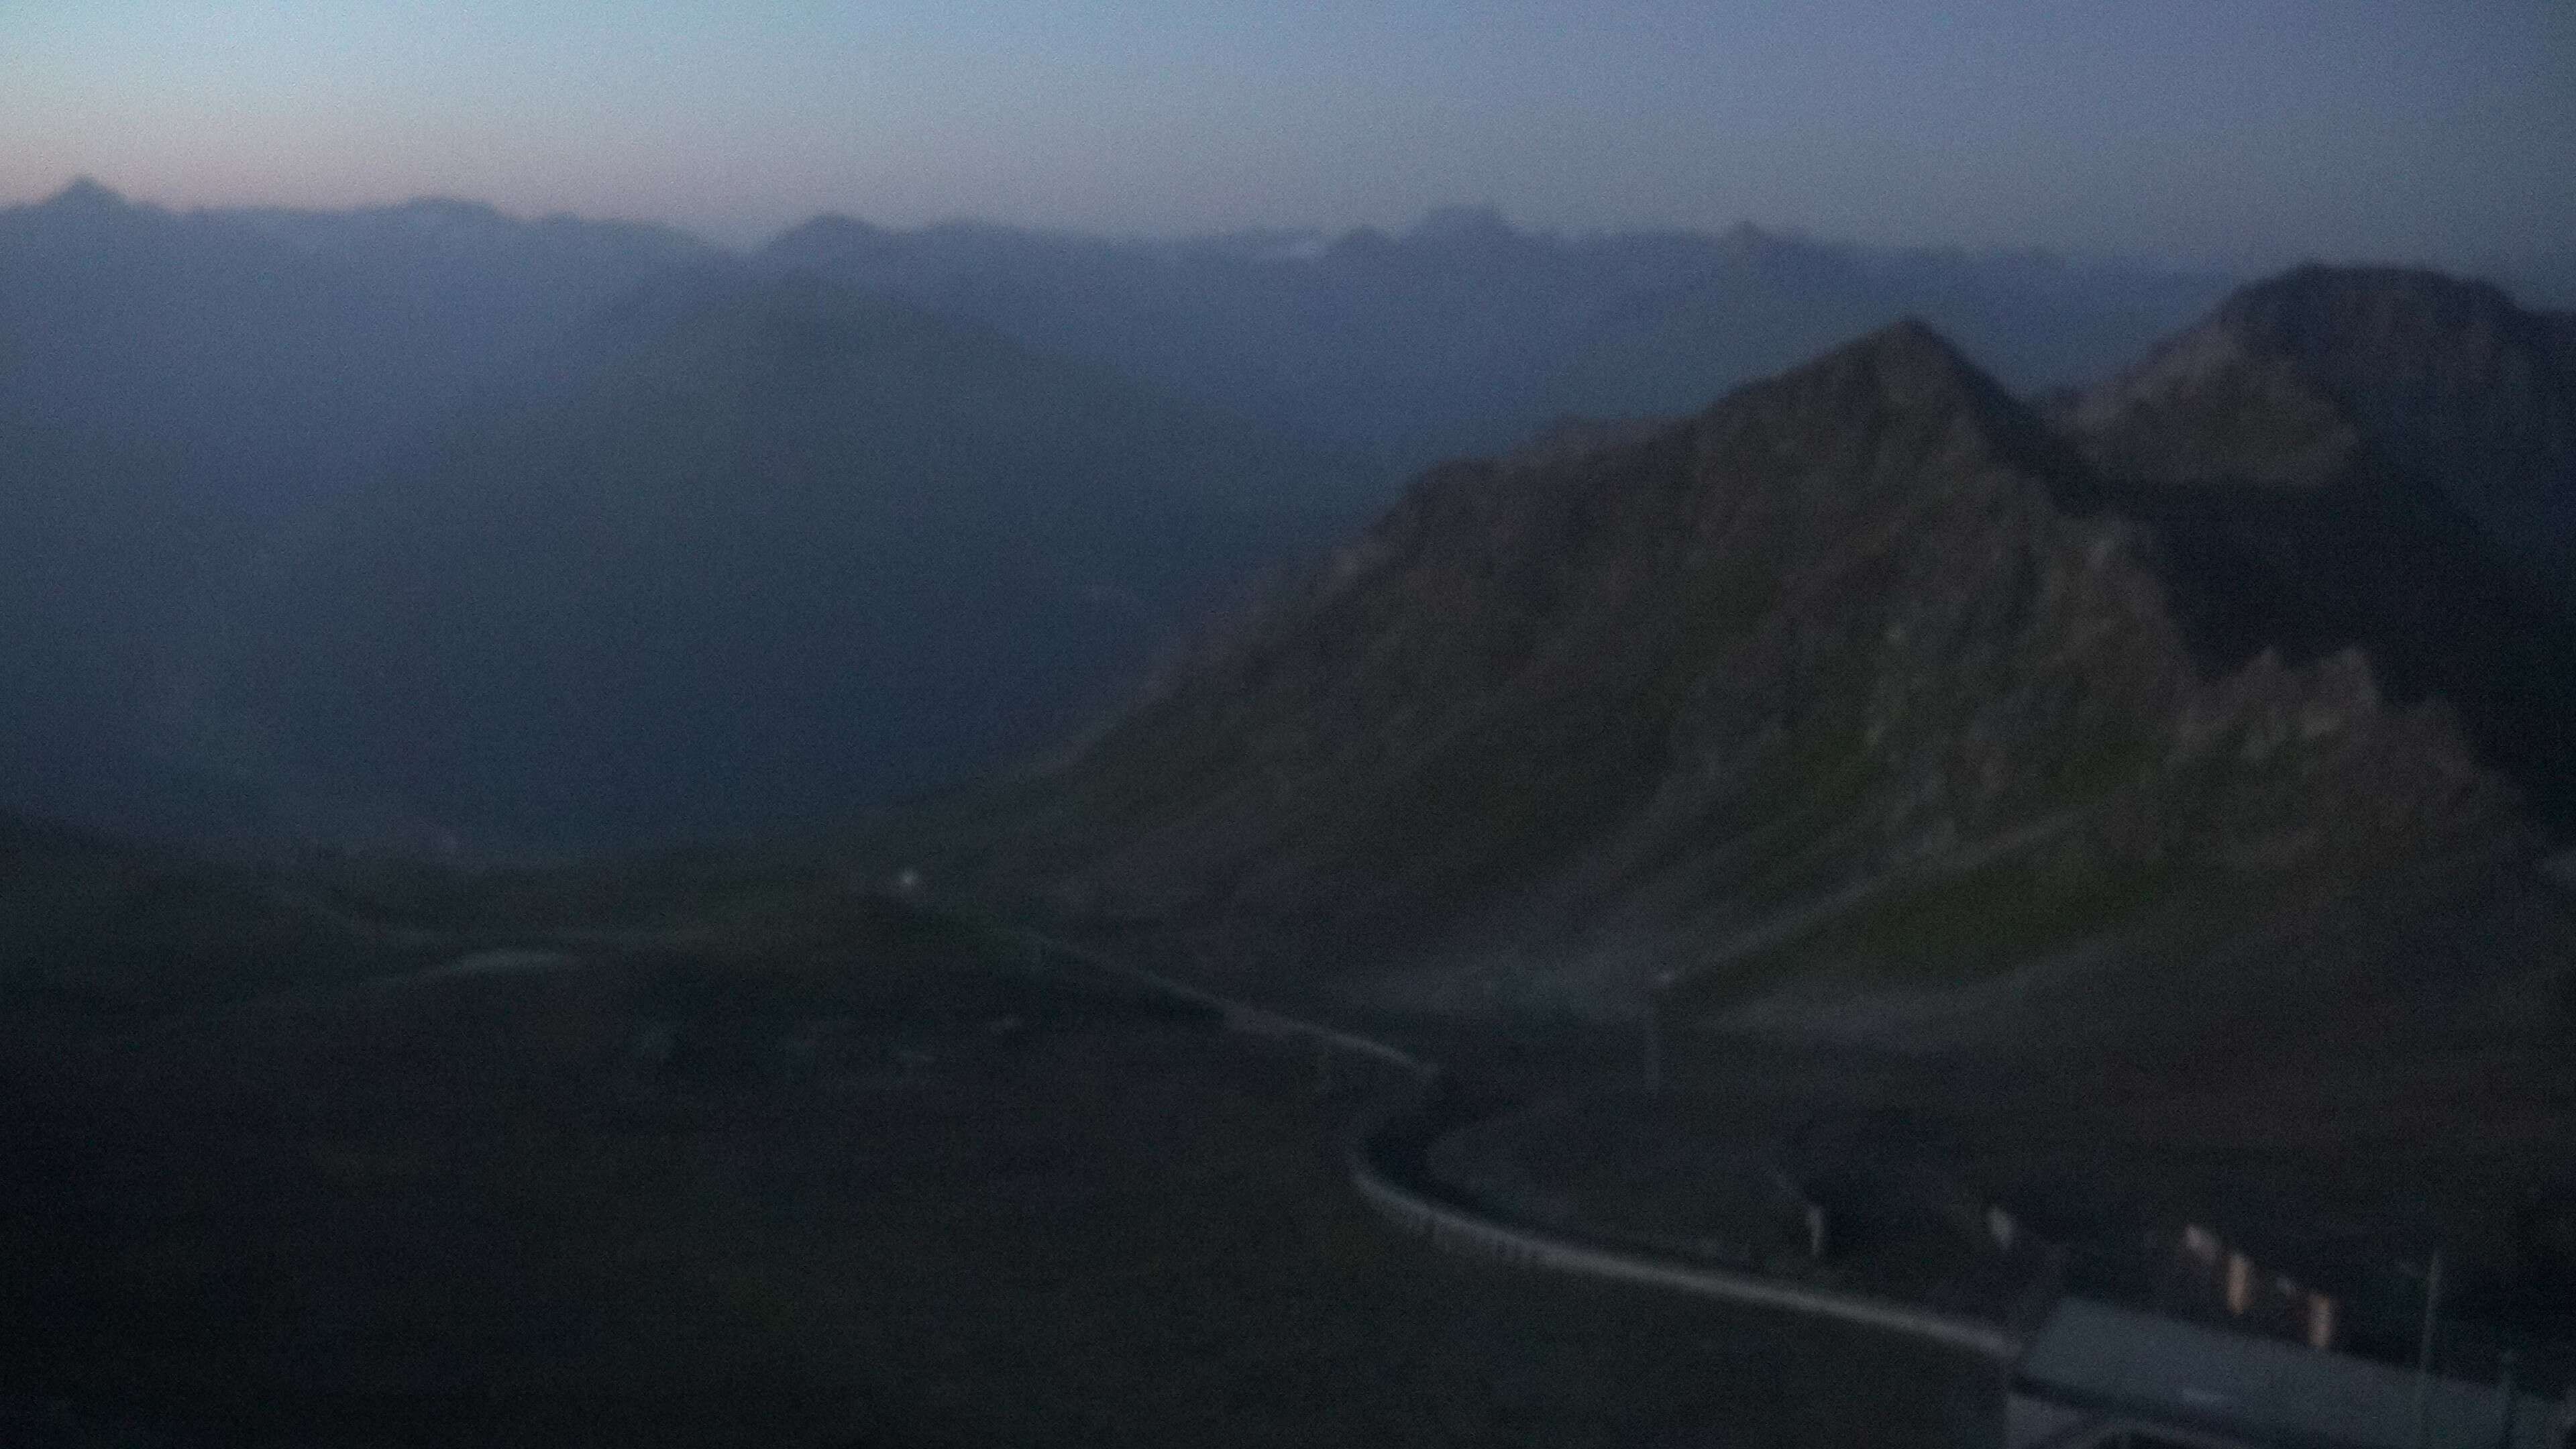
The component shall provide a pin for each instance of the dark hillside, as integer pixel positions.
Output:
(108, 547)
(883, 1188)
(784, 550)
(99, 936)
(2292, 382)
(1797, 684)
(2373, 459)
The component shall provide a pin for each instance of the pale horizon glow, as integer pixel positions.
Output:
(2344, 129)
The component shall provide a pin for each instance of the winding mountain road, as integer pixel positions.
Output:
(1386, 1166)
(1386, 1160)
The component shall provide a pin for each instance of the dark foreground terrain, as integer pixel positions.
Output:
(2336, 1099)
(867, 1185)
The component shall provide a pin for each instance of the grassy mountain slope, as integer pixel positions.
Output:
(1565, 728)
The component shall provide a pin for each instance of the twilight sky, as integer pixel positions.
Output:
(2431, 129)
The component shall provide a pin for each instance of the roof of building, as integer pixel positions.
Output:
(2112, 1360)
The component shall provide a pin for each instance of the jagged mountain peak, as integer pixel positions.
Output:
(827, 234)
(84, 212)
(1910, 361)
(2371, 457)
(86, 193)
(1908, 375)
(1567, 722)
(2448, 377)
(2282, 383)
(2318, 310)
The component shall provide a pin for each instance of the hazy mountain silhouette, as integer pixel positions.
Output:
(302, 509)
(2546, 281)
(783, 550)
(172, 387)
(303, 342)
(1467, 333)
(108, 549)
(1762, 303)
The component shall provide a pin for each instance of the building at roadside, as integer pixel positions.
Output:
(2100, 1375)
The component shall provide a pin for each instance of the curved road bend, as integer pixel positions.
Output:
(1386, 1164)
(1387, 1168)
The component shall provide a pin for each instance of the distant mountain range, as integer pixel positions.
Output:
(423, 525)
(1870, 674)
(787, 549)
(1467, 334)
(297, 345)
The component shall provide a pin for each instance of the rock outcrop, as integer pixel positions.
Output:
(1582, 728)
(2377, 460)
